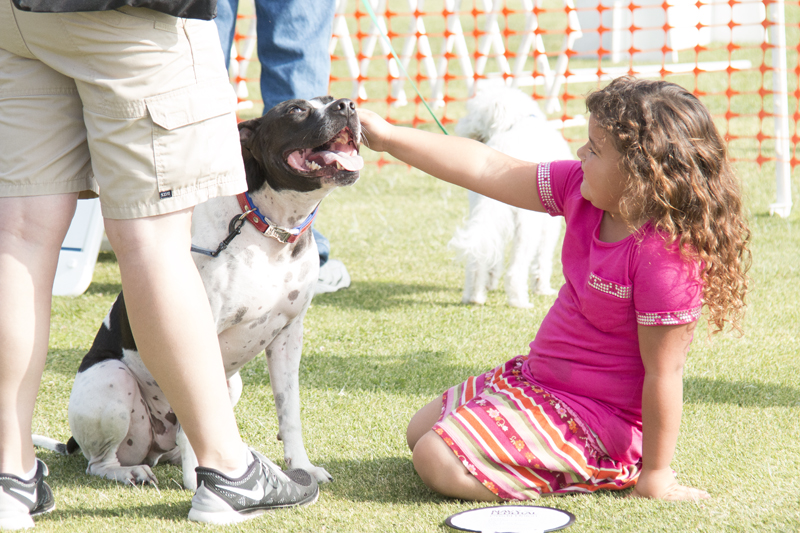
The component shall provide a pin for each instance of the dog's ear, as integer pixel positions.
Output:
(247, 130)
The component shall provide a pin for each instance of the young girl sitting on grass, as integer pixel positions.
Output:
(655, 230)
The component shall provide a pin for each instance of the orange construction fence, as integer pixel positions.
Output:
(739, 57)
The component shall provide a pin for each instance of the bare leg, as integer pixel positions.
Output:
(436, 463)
(31, 232)
(442, 472)
(422, 422)
(175, 331)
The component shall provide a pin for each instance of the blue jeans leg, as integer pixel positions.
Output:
(323, 246)
(226, 26)
(293, 41)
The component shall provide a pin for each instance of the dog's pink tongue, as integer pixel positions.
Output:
(351, 162)
(348, 161)
(297, 159)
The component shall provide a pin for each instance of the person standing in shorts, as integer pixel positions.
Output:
(134, 105)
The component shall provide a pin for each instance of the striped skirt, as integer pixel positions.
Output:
(520, 441)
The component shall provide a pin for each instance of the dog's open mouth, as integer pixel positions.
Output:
(340, 153)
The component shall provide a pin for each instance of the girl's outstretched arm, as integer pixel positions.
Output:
(457, 160)
(663, 350)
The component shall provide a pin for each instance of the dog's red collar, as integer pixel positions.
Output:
(262, 223)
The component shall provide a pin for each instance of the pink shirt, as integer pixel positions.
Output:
(586, 351)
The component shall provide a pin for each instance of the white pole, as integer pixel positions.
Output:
(783, 170)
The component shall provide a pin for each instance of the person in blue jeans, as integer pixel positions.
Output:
(292, 41)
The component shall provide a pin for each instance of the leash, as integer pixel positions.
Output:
(374, 18)
(251, 213)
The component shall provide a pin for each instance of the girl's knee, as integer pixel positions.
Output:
(443, 472)
(435, 462)
(422, 422)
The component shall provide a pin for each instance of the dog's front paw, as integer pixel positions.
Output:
(520, 303)
(320, 474)
(474, 299)
(317, 472)
(129, 475)
(546, 291)
(189, 480)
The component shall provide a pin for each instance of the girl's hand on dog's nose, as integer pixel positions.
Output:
(375, 131)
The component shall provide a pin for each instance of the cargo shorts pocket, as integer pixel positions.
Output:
(195, 137)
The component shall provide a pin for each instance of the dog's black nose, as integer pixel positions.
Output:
(345, 106)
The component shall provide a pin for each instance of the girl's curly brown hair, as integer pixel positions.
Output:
(679, 177)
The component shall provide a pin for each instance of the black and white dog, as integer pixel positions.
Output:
(259, 279)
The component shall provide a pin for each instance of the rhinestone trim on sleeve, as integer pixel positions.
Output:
(668, 318)
(545, 189)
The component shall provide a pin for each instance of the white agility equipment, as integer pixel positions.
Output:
(79, 251)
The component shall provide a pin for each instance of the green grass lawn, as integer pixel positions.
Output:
(399, 336)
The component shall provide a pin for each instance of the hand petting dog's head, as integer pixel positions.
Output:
(303, 145)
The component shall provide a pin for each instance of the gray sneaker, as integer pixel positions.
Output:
(221, 500)
(20, 500)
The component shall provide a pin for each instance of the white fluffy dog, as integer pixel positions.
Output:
(510, 121)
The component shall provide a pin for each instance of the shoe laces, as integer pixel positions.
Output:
(272, 472)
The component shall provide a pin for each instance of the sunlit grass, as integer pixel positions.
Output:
(378, 351)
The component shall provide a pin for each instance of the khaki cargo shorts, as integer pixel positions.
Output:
(131, 104)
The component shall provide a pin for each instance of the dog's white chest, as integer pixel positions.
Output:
(256, 292)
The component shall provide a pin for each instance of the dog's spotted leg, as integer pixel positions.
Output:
(283, 359)
(111, 423)
(235, 388)
(188, 461)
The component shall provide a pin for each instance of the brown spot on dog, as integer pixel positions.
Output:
(246, 256)
(288, 277)
(239, 315)
(304, 268)
(130, 442)
(293, 295)
(158, 426)
(263, 318)
(301, 244)
(156, 448)
(171, 418)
